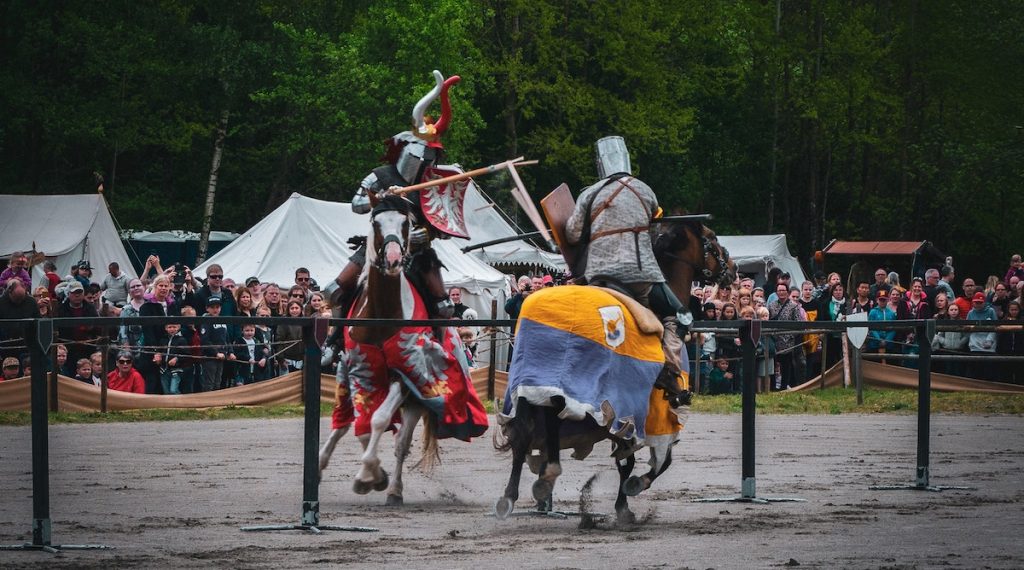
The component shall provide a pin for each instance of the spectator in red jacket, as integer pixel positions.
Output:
(126, 378)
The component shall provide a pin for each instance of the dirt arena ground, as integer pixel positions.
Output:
(173, 495)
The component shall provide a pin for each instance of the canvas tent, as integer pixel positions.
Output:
(66, 228)
(757, 254)
(174, 245)
(310, 233)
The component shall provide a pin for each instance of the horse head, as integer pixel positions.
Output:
(719, 268)
(390, 222)
(692, 245)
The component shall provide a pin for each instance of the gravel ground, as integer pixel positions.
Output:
(173, 495)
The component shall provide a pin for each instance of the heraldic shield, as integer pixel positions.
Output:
(442, 204)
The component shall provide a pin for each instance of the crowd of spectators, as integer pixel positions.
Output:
(786, 360)
(182, 359)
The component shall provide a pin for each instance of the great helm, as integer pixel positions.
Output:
(611, 156)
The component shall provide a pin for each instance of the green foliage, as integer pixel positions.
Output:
(829, 119)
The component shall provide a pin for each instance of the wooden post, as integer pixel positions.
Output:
(824, 362)
(846, 360)
(696, 359)
(53, 379)
(492, 357)
(103, 380)
(858, 373)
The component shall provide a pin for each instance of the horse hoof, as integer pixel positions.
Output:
(503, 508)
(393, 501)
(542, 490)
(382, 483)
(625, 516)
(633, 486)
(361, 487)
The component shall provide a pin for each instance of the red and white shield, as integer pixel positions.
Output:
(442, 205)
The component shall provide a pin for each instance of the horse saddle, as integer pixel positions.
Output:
(646, 321)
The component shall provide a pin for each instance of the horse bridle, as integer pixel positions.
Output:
(379, 262)
(719, 254)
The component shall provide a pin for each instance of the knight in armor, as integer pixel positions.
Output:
(613, 219)
(408, 157)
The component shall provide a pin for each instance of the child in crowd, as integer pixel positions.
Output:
(83, 371)
(174, 359)
(267, 336)
(214, 338)
(192, 371)
(720, 379)
(250, 357)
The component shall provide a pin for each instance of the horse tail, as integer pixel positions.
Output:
(430, 455)
(516, 433)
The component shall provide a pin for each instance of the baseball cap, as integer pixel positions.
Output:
(249, 281)
(215, 300)
(978, 297)
(11, 362)
(547, 279)
(75, 286)
(882, 294)
(709, 306)
(84, 265)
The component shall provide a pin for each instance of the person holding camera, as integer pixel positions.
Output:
(519, 294)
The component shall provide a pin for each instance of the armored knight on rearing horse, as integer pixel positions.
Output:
(393, 375)
(411, 157)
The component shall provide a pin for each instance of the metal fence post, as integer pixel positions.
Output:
(39, 337)
(750, 334)
(924, 333)
(310, 520)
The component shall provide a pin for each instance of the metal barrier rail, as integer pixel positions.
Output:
(39, 335)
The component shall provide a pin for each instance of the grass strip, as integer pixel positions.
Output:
(815, 402)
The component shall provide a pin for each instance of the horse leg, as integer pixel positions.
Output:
(625, 468)
(552, 468)
(661, 458)
(370, 475)
(518, 433)
(411, 415)
(328, 448)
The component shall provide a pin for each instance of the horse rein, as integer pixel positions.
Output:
(709, 251)
(379, 263)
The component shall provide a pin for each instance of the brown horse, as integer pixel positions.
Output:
(389, 369)
(535, 430)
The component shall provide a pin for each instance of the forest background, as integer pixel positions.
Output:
(822, 119)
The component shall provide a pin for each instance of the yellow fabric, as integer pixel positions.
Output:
(574, 309)
(661, 420)
(812, 342)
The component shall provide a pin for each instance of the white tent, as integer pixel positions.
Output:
(758, 254)
(486, 223)
(66, 228)
(310, 233)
